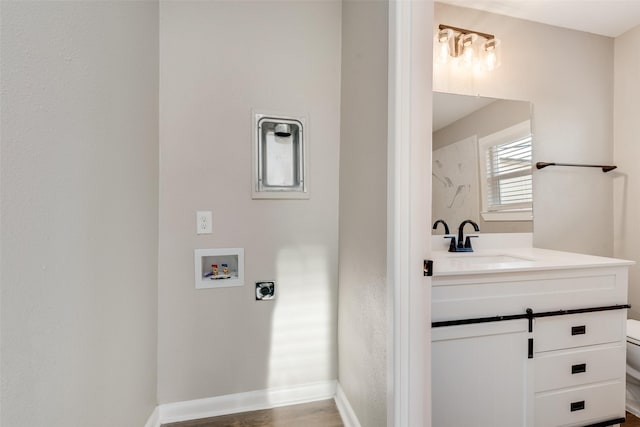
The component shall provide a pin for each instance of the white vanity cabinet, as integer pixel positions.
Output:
(579, 365)
(479, 374)
(532, 344)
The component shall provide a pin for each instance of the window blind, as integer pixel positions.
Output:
(509, 181)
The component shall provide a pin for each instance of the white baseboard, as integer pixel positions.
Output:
(154, 418)
(242, 402)
(349, 417)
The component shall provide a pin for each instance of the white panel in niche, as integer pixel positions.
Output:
(210, 267)
(280, 152)
(456, 195)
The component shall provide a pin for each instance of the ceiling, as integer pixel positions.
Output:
(452, 107)
(605, 17)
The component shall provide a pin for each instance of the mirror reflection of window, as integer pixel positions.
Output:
(505, 171)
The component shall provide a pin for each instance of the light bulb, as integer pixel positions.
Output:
(490, 52)
(442, 50)
(468, 56)
(491, 60)
(443, 53)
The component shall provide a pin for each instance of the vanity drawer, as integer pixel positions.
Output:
(580, 406)
(571, 368)
(578, 330)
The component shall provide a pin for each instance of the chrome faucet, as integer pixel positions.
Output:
(440, 221)
(460, 247)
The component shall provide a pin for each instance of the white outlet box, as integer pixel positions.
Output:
(204, 222)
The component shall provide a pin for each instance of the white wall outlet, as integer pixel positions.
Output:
(204, 222)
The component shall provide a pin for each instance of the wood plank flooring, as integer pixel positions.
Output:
(323, 413)
(632, 421)
(316, 414)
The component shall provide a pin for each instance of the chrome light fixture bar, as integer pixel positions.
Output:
(467, 48)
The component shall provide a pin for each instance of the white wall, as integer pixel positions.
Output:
(79, 208)
(626, 156)
(363, 301)
(568, 76)
(218, 60)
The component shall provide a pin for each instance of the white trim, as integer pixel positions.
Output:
(244, 402)
(349, 418)
(154, 418)
(397, 407)
(631, 407)
(409, 212)
(524, 215)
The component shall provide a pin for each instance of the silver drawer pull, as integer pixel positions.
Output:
(578, 369)
(578, 330)
(577, 406)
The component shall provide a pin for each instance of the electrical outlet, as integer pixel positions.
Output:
(204, 222)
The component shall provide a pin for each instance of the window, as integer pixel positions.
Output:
(505, 172)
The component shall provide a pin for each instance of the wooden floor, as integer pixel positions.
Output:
(315, 414)
(632, 421)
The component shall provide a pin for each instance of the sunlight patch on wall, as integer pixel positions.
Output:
(303, 334)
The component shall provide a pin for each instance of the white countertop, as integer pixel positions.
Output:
(493, 259)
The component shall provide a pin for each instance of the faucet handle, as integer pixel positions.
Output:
(467, 242)
(452, 245)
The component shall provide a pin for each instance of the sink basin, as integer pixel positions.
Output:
(446, 263)
(485, 259)
(463, 262)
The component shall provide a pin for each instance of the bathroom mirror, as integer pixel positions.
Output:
(482, 165)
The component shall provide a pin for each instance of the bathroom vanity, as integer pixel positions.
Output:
(528, 337)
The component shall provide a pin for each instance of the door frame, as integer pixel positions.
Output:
(409, 212)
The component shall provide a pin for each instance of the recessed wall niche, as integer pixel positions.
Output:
(279, 157)
(219, 267)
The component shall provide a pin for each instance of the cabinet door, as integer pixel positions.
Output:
(479, 374)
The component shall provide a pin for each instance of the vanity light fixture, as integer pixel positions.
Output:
(467, 48)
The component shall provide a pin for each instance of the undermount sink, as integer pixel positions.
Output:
(485, 259)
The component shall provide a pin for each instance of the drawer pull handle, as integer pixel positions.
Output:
(577, 406)
(578, 330)
(578, 369)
